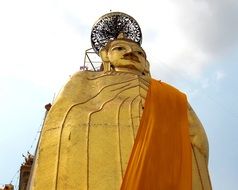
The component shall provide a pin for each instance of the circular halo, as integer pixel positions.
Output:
(110, 25)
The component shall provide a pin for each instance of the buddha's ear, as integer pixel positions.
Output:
(103, 55)
(147, 66)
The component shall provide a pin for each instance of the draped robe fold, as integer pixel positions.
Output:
(161, 157)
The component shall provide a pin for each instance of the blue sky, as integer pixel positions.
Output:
(190, 44)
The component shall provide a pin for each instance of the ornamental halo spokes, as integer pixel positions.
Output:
(110, 25)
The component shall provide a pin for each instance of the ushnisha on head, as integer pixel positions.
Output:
(124, 55)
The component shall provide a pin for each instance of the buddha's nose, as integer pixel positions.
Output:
(129, 49)
(131, 55)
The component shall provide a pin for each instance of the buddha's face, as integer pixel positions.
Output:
(126, 54)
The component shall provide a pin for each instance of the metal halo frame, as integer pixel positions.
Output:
(110, 25)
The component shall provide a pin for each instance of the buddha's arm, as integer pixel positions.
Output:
(197, 133)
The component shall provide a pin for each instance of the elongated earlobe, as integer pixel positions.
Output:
(106, 63)
(103, 55)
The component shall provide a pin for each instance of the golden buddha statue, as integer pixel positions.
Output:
(91, 128)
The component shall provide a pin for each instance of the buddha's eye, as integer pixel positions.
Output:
(141, 53)
(118, 48)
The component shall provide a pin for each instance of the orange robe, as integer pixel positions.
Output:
(161, 157)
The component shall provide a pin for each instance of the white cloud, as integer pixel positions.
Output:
(211, 25)
(38, 44)
(46, 40)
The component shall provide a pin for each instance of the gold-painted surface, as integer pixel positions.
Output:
(89, 132)
(126, 56)
(200, 153)
(90, 129)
